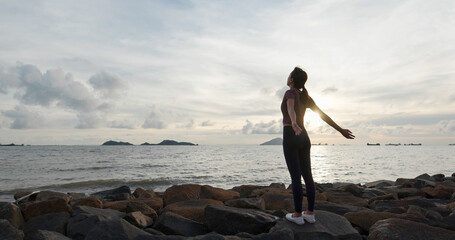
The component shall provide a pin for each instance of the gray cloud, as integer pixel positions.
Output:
(330, 90)
(446, 126)
(207, 123)
(88, 120)
(121, 124)
(155, 120)
(272, 127)
(23, 118)
(107, 83)
(280, 93)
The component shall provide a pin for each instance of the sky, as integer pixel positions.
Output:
(214, 72)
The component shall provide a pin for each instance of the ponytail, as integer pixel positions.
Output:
(300, 78)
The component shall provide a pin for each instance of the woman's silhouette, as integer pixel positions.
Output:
(296, 144)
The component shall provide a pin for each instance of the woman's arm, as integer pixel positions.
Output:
(290, 105)
(345, 132)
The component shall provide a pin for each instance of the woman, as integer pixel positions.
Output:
(296, 144)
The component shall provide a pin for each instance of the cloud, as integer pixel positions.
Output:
(446, 126)
(107, 83)
(23, 118)
(330, 90)
(121, 124)
(155, 120)
(89, 120)
(280, 93)
(272, 127)
(207, 123)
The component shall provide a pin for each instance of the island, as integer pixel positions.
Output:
(169, 142)
(275, 141)
(114, 143)
(11, 145)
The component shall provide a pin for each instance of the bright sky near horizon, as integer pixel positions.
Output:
(214, 72)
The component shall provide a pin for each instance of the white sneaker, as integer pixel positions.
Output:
(296, 220)
(308, 218)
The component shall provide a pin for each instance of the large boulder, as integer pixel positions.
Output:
(229, 220)
(155, 203)
(12, 213)
(328, 226)
(174, 224)
(366, 219)
(279, 199)
(246, 190)
(345, 198)
(116, 194)
(178, 193)
(141, 207)
(9, 232)
(55, 222)
(393, 228)
(116, 229)
(142, 193)
(45, 235)
(138, 219)
(252, 203)
(50, 195)
(409, 192)
(218, 193)
(89, 201)
(379, 184)
(338, 208)
(51, 206)
(191, 209)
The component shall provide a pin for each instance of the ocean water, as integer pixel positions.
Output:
(94, 168)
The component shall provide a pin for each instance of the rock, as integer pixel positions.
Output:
(409, 192)
(9, 232)
(50, 195)
(90, 201)
(327, 226)
(438, 177)
(51, 206)
(367, 218)
(218, 193)
(385, 205)
(155, 203)
(394, 228)
(277, 185)
(251, 203)
(379, 184)
(345, 198)
(154, 232)
(449, 221)
(450, 206)
(141, 193)
(85, 218)
(389, 196)
(246, 190)
(413, 209)
(279, 199)
(116, 229)
(12, 213)
(261, 191)
(143, 208)
(45, 235)
(138, 219)
(229, 220)
(338, 208)
(434, 193)
(174, 224)
(452, 198)
(192, 209)
(322, 187)
(21, 194)
(55, 222)
(178, 193)
(116, 194)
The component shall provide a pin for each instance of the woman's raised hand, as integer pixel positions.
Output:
(296, 128)
(347, 133)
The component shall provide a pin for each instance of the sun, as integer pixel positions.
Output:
(312, 118)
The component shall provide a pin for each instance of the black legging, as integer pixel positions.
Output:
(297, 154)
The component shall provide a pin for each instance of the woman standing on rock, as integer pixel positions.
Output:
(296, 143)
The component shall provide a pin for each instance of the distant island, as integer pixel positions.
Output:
(373, 144)
(114, 143)
(275, 141)
(170, 142)
(10, 145)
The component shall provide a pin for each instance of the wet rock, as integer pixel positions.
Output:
(379, 184)
(174, 224)
(12, 213)
(116, 194)
(192, 209)
(116, 229)
(155, 203)
(251, 203)
(51, 195)
(366, 219)
(143, 208)
(327, 226)
(55, 222)
(138, 219)
(246, 190)
(51, 206)
(178, 193)
(338, 208)
(141, 193)
(90, 201)
(9, 232)
(229, 220)
(394, 228)
(218, 193)
(45, 235)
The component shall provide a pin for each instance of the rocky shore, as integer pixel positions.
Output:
(418, 208)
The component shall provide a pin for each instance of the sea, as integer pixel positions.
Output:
(90, 169)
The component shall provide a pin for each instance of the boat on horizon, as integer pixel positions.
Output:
(393, 144)
(373, 144)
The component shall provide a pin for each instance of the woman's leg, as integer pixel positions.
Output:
(305, 170)
(291, 154)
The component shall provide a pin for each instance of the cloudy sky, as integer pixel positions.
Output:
(214, 72)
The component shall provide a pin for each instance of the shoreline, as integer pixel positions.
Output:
(195, 211)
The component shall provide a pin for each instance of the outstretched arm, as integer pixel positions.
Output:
(290, 105)
(345, 132)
